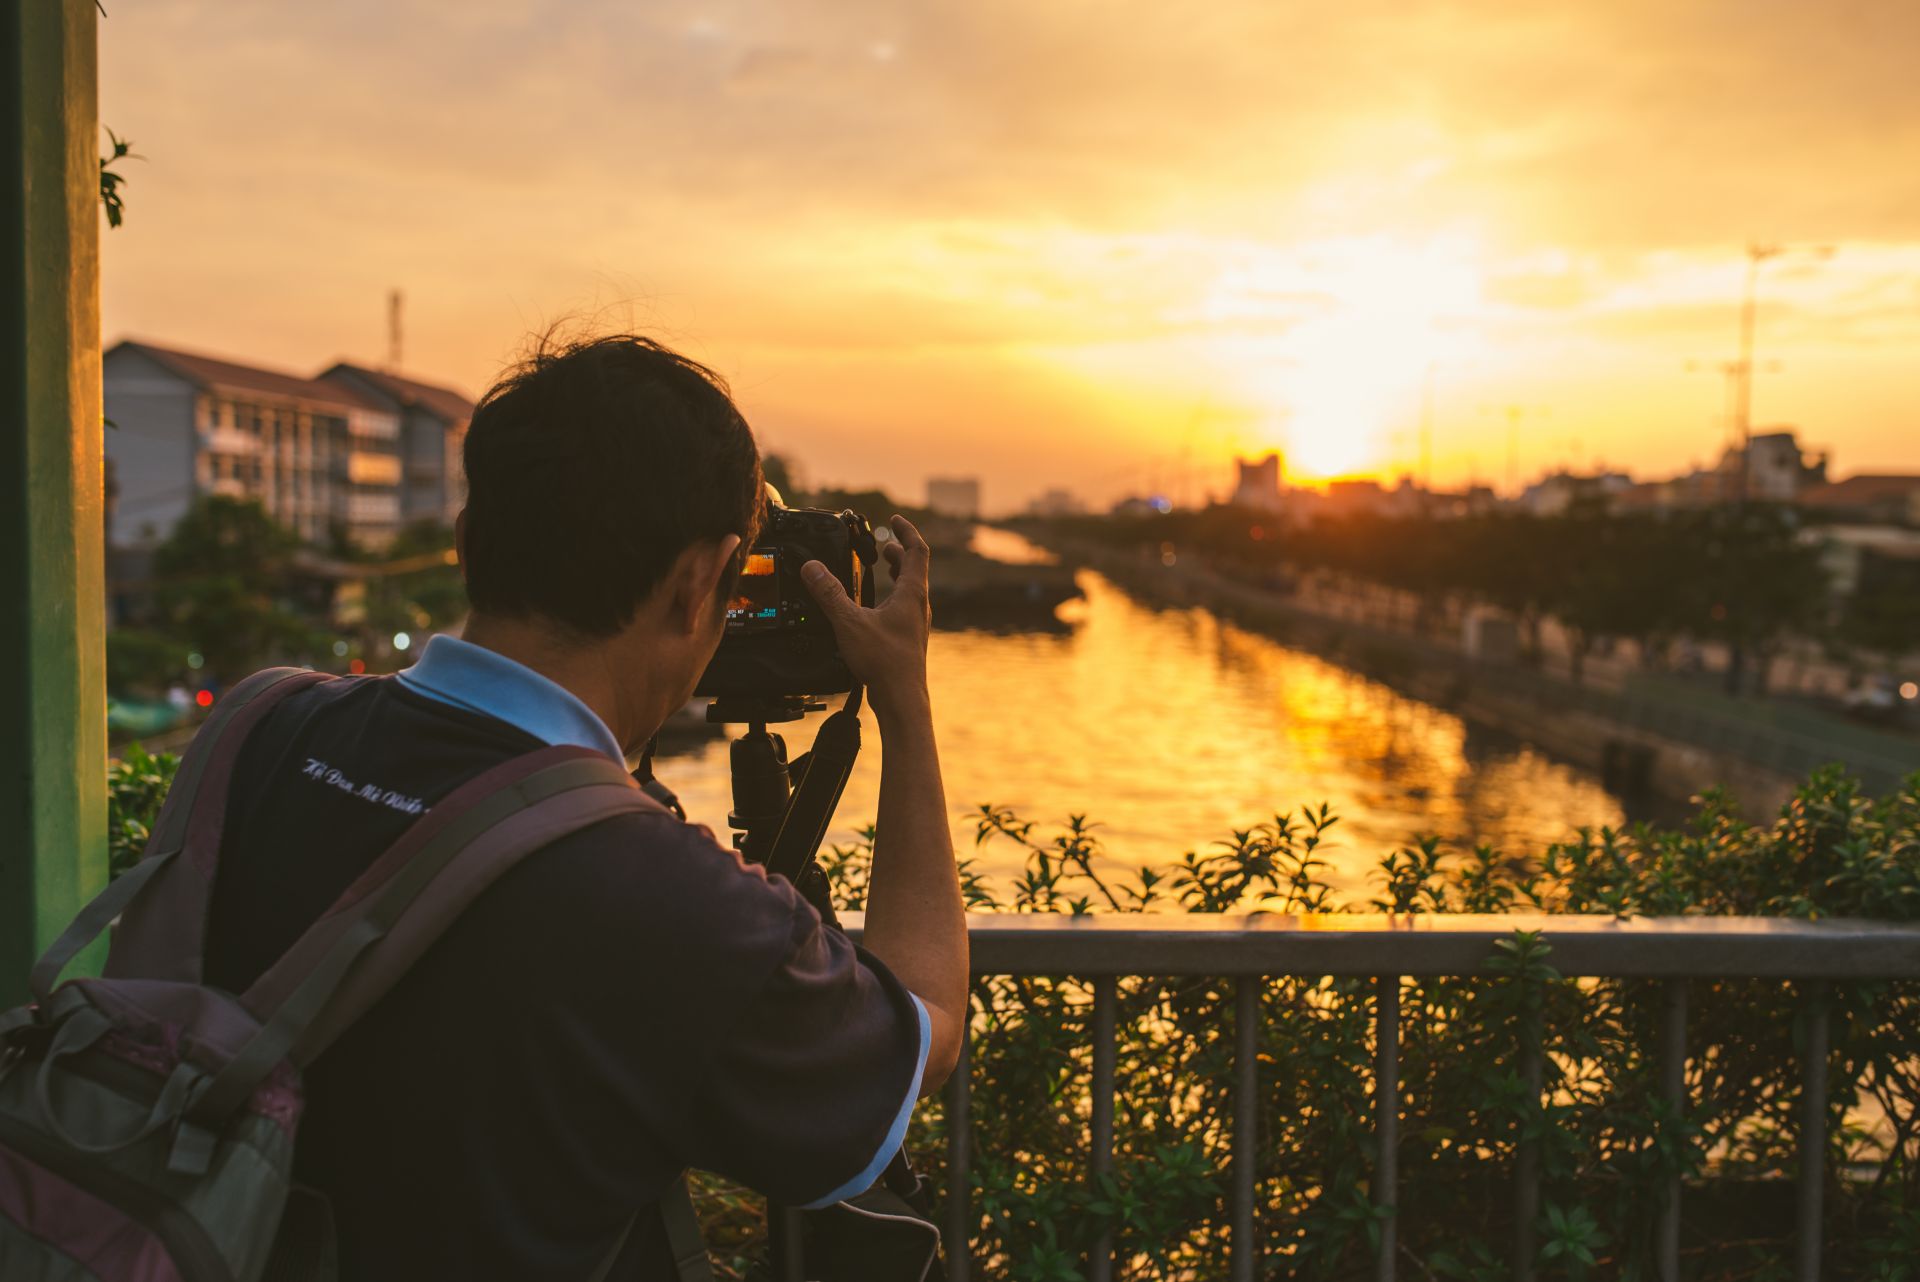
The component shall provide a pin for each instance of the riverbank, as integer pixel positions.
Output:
(1638, 744)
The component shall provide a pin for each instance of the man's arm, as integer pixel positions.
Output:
(916, 923)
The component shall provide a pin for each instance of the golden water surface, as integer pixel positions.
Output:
(1170, 728)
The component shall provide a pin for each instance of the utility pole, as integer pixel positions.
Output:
(1426, 431)
(1742, 369)
(1514, 415)
(1758, 253)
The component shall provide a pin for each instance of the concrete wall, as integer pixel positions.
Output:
(150, 446)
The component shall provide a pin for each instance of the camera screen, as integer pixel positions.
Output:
(756, 598)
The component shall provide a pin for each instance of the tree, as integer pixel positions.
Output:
(225, 587)
(1756, 583)
(1619, 578)
(1882, 617)
(142, 661)
(1516, 563)
(415, 587)
(779, 473)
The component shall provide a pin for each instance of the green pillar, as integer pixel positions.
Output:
(53, 730)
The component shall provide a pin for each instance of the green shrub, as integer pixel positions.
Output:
(136, 785)
(1606, 1145)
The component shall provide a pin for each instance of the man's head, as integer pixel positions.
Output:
(610, 485)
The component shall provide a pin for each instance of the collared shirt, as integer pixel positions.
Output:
(627, 1002)
(485, 681)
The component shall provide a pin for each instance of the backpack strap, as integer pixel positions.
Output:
(162, 929)
(690, 1260)
(363, 945)
(691, 1263)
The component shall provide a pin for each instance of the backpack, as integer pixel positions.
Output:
(148, 1121)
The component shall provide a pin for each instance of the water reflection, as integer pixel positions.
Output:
(1171, 728)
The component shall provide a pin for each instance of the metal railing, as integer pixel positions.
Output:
(1386, 949)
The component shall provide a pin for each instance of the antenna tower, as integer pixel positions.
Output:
(393, 330)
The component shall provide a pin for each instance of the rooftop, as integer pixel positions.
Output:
(211, 372)
(1864, 490)
(443, 402)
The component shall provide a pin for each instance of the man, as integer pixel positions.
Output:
(633, 999)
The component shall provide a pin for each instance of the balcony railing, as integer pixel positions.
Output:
(1386, 949)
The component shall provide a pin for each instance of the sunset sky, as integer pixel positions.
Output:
(1100, 245)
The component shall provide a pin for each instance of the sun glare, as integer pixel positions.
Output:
(1359, 324)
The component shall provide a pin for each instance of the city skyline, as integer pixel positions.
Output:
(1040, 248)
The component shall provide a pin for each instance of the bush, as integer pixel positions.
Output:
(136, 786)
(1606, 1145)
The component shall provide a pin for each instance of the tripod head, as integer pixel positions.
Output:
(760, 710)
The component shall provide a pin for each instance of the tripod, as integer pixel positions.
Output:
(781, 812)
(781, 809)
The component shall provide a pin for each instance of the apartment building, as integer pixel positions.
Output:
(1256, 483)
(317, 453)
(433, 428)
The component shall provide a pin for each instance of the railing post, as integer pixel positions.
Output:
(1815, 1029)
(1246, 1119)
(1105, 1000)
(1673, 1093)
(1526, 1166)
(959, 1231)
(1386, 1127)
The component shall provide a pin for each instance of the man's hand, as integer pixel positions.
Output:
(885, 648)
(916, 923)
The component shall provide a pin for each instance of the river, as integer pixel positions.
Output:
(1171, 728)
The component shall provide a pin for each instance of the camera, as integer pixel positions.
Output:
(778, 645)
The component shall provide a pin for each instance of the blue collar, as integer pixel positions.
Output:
(479, 680)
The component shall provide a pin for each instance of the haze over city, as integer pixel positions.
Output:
(1062, 243)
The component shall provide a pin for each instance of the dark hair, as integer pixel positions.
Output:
(591, 466)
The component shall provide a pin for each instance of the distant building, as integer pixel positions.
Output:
(1447, 505)
(954, 495)
(1869, 499)
(1357, 498)
(1056, 502)
(1776, 468)
(1646, 496)
(1257, 484)
(1558, 492)
(433, 428)
(316, 454)
(1772, 469)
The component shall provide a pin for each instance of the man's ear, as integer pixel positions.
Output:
(698, 579)
(460, 542)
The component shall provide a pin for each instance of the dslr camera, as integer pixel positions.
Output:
(779, 648)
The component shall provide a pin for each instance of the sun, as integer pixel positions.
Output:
(1359, 323)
